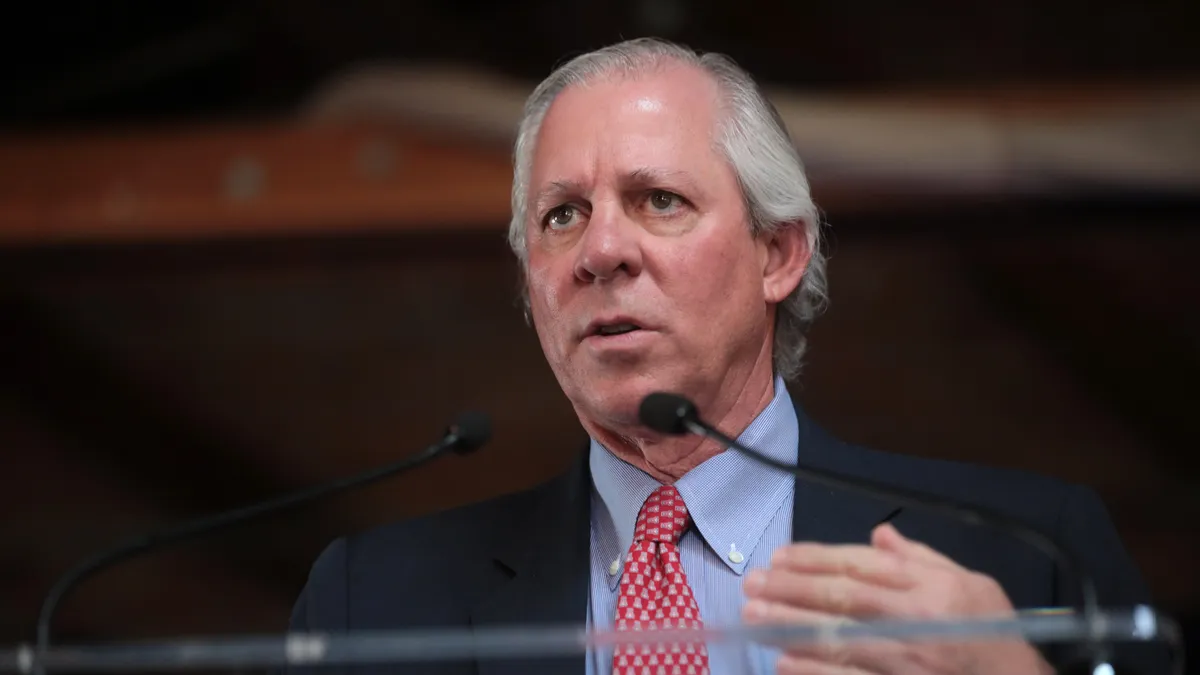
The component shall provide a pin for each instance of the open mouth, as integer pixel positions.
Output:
(616, 329)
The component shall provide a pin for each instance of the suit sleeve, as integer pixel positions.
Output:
(1086, 529)
(322, 604)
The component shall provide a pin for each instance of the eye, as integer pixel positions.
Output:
(663, 201)
(560, 217)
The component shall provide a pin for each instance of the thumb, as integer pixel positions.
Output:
(886, 537)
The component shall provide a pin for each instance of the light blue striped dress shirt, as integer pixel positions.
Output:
(741, 512)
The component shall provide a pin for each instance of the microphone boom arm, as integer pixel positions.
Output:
(470, 432)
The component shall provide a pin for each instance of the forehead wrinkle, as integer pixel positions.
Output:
(618, 148)
(555, 191)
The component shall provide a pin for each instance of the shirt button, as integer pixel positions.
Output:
(612, 569)
(736, 557)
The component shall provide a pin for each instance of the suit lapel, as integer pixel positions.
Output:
(821, 514)
(544, 572)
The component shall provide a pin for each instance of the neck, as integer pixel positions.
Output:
(731, 408)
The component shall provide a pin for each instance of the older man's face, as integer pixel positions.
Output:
(643, 275)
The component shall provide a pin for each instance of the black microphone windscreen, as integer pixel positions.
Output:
(666, 413)
(472, 430)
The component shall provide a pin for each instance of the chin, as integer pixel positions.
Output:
(613, 401)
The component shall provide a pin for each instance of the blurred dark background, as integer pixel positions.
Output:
(232, 265)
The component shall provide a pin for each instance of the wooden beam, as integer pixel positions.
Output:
(266, 181)
(399, 151)
(925, 144)
(210, 182)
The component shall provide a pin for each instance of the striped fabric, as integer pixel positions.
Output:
(741, 512)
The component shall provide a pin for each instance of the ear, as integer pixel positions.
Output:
(785, 257)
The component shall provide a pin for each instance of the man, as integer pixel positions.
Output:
(668, 241)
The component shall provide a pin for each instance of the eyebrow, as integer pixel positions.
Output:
(652, 177)
(558, 191)
(555, 192)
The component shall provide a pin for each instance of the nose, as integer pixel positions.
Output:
(610, 246)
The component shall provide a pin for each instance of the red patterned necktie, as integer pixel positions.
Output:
(655, 593)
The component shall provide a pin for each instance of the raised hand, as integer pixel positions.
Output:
(894, 577)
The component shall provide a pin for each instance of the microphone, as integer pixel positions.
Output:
(468, 433)
(675, 415)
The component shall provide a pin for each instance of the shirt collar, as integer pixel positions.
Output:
(730, 497)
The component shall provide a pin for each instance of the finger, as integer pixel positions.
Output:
(865, 563)
(873, 655)
(765, 612)
(823, 593)
(888, 538)
(761, 612)
(790, 664)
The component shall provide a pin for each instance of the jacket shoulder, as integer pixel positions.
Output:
(461, 529)
(378, 577)
(1024, 494)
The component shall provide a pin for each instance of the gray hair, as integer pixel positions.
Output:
(751, 137)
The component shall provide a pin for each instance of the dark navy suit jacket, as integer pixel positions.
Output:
(524, 558)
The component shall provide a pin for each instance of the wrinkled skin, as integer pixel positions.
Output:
(894, 577)
(635, 217)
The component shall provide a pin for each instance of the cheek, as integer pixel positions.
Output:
(715, 278)
(543, 292)
(545, 308)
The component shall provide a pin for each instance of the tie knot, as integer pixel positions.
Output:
(663, 518)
